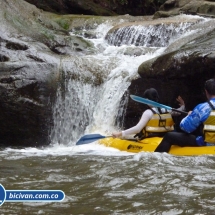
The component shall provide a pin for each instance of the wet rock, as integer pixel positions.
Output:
(27, 97)
(101, 8)
(16, 46)
(138, 8)
(29, 77)
(89, 7)
(4, 58)
(193, 7)
(32, 47)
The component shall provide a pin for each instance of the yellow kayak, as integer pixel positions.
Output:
(150, 144)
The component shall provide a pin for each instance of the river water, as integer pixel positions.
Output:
(97, 179)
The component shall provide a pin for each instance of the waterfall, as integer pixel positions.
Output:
(90, 99)
(149, 36)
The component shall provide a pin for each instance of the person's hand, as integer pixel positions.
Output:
(116, 134)
(180, 100)
(189, 112)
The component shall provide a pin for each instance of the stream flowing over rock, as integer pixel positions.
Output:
(58, 80)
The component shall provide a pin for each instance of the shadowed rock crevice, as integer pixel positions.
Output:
(16, 46)
(35, 58)
(4, 58)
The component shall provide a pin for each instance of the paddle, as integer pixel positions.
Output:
(89, 138)
(154, 104)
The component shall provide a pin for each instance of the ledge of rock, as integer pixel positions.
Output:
(193, 7)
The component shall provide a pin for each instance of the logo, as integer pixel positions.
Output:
(162, 123)
(2, 195)
(30, 195)
(134, 147)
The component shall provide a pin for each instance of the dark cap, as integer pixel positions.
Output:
(151, 94)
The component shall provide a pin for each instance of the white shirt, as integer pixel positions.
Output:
(146, 116)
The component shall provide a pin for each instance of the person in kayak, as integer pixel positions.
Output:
(203, 115)
(154, 121)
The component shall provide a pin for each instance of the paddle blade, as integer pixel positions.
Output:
(89, 138)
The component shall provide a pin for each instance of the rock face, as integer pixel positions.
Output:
(27, 96)
(28, 77)
(88, 7)
(101, 8)
(33, 45)
(121, 7)
(194, 7)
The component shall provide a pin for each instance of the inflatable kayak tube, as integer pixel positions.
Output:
(150, 144)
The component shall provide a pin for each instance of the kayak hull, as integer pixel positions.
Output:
(150, 144)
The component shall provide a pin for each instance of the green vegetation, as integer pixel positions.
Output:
(64, 23)
(48, 34)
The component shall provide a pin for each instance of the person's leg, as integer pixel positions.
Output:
(176, 138)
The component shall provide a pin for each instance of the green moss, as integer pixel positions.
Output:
(64, 23)
(74, 21)
(48, 35)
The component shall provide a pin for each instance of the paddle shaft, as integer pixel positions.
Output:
(155, 104)
(179, 111)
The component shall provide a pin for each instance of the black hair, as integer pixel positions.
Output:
(210, 86)
(151, 94)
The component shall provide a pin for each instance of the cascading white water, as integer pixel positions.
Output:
(95, 83)
(148, 36)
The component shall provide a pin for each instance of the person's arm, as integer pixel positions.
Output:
(180, 101)
(181, 108)
(146, 116)
(191, 121)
